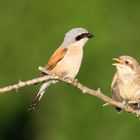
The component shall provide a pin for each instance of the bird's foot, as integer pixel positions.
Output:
(64, 77)
(135, 105)
(125, 103)
(75, 81)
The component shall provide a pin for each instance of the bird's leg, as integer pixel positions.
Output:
(63, 76)
(75, 81)
(125, 102)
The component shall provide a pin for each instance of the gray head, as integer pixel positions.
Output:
(76, 35)
(126, 64)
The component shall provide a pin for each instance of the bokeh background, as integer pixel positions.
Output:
(30, 30)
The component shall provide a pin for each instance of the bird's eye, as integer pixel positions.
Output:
(79, 37)
(126, 62)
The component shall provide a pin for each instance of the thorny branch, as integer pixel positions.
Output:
(74, 82)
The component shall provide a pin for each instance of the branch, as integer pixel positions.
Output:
(74, 82)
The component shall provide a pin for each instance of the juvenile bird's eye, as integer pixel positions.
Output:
(126, 62)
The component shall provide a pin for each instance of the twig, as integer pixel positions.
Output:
(98, 93)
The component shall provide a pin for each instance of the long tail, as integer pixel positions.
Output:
(40, 94)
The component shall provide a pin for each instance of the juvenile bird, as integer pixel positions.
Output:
(66, 60)
(125, 86)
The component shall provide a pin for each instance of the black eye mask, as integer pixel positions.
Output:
(79, 37)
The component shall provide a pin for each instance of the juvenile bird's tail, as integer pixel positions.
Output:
(40, 94)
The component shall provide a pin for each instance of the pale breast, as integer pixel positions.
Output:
(71, 62)
(130, 92)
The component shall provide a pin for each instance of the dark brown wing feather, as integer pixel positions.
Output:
(115, 90)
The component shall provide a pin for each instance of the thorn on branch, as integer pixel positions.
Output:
(106, 104)
(84, 91)
(99, 91)
(74, 82)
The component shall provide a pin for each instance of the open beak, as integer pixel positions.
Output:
(118, 61)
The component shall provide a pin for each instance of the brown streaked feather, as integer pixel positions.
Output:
(56, 57)
(115, 90)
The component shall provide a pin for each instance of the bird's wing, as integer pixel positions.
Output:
(115, 90)
(56, 57)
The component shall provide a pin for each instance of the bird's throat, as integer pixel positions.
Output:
(127, 78)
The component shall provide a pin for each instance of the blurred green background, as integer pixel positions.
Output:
(30, 30)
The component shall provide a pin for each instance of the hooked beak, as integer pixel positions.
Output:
(88, 35)
(118, 61)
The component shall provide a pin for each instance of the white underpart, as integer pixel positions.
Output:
(71, 62)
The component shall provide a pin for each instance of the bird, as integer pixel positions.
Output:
(66, 60)
(125, 85)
